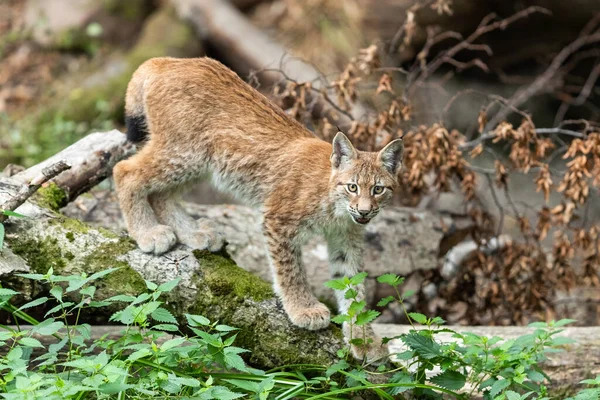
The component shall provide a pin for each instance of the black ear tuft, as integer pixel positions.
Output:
(390, 157)
(343, 151)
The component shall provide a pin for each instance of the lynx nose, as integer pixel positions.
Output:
(364, 213)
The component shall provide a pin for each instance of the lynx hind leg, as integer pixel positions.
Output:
(201, 234)
(135, 179)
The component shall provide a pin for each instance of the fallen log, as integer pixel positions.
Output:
(91, 160)
(211, 284)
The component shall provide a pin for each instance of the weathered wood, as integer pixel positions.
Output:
(91, 158)
(246, 49)
(28, 190)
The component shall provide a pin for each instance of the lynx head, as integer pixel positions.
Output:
(363, 182)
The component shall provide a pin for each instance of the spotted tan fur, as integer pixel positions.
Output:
(200, 118)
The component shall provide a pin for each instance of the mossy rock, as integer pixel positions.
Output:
(210, 284)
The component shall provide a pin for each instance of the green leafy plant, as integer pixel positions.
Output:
(7, 213)
(158, 356)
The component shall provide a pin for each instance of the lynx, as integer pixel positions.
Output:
(193, 116)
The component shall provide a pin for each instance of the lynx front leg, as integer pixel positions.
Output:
(135, 179)
(301, 306)
(201, 234)
(345, 259)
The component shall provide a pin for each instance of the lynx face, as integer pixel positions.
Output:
(364, 182)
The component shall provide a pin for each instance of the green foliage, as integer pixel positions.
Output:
(7, 213)
(157, 356)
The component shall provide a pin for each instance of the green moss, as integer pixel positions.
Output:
(39, 254)
(71, 225)
(70, 237)
(225, 278)
(52, 196)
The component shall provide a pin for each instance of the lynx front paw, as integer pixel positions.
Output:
(158, 239)
(313, 318)
(206, 237)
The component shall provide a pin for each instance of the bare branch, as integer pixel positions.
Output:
(28, 190)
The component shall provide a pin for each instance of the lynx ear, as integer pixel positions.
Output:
(390, 157)
(343, 151)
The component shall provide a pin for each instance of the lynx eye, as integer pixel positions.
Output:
(352, 187)
(378, 189)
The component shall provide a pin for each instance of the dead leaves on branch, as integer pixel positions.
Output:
(555, 250)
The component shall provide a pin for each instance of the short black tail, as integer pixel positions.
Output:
(137, 130)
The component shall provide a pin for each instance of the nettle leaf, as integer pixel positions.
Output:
(162, 315)
(124, 316)
(33, 277)
(168, 286)
(171, 343)
(151, 285)
(510, 395)
(498, 387)
(59, 308)
(121, 297)
(48, 327)
(448, 379)
(420, 318)
(564, 322)
(358, 278)
(402, 378)
(422, 345)
(385, 301)
(31, 342)
(246, 385)
(57, 292)
(340, 366)
(340, 319)
(166, 327)
(366, 316)
(101, 274)
(222, 393)
(225, 328)
(535, 376)
(336, 284)
(88, 291)
(356, 307)
(235, 361)
(390, 279)
(197, 320)
(7, 292)
(350, 294)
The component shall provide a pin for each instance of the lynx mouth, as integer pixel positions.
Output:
(362, 221)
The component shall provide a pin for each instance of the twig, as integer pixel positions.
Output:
(540, 131)
(28, 190)
(543, 81)
(484, 27)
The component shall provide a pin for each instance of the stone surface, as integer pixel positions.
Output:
(400, 240)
